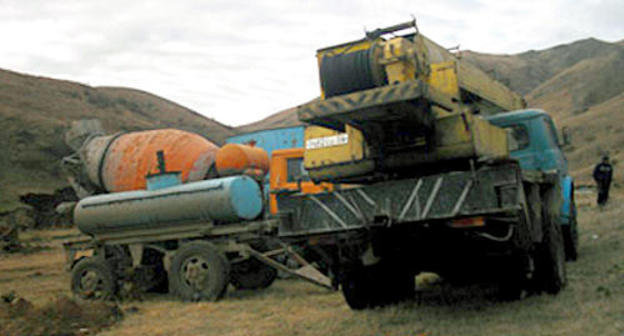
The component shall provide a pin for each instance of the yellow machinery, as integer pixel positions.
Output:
(393, 105)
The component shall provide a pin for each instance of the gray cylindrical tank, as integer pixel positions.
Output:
(230, 199)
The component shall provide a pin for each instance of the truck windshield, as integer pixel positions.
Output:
(520, 134)
(295, 169)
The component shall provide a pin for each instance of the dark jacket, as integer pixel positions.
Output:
(603, 173)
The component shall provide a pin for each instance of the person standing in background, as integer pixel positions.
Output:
(602, 175)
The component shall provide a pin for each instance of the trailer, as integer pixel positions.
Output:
(191, 239)
(196, 261)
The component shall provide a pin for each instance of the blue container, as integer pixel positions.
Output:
(272, 139)
(161, 181)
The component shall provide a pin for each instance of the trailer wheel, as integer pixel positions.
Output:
(199, 271)
(92, 278)
(252, 274)
(550, 261)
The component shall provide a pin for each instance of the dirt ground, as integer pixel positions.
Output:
(590, 305)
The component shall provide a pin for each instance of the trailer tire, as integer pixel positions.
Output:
(93, 278)
(199, 271)
(252, 274)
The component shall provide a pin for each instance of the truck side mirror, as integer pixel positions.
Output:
(565, 136)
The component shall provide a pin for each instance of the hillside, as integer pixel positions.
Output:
(526, 71)
(564, 80)
(36, 111)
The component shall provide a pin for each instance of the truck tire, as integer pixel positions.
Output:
(550, 256)
(570, 237)
(376, 286)
(358, 289)
(93, 278)
(199, 271)
(514, 284)
(252, 274)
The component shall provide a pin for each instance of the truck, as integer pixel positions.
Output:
(540, 148)
(430, 172)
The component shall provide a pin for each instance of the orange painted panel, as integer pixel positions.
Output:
(279, 177)
(234, 159)
(132, 156)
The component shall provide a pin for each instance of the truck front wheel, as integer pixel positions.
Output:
(199, 271)
(570, 236)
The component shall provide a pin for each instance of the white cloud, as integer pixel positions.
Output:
(240, 61)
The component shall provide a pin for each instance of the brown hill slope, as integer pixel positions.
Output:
(35, 112)
(526, 71)
(597, 131)
(581, 86)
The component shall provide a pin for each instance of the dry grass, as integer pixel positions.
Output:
(590, 305)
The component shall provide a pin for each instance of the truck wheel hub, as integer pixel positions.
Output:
(195, 271)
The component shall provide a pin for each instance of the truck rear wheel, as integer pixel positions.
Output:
(199, 271)
(252, 274)
(550, 257)
(514, 284)
(376, 286)
(92, 278)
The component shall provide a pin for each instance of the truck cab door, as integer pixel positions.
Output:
(287, 174)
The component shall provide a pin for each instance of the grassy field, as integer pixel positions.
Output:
(590, 305)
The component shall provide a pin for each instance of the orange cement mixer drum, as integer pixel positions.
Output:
(233, 159)
(132, 156)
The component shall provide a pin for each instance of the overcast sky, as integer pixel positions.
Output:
(240, 61)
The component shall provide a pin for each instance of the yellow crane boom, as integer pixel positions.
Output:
(399, 103)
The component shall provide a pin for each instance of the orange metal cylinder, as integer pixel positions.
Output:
(131, 156)
(234, 159)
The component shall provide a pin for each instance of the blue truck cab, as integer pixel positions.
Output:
(538, 148)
